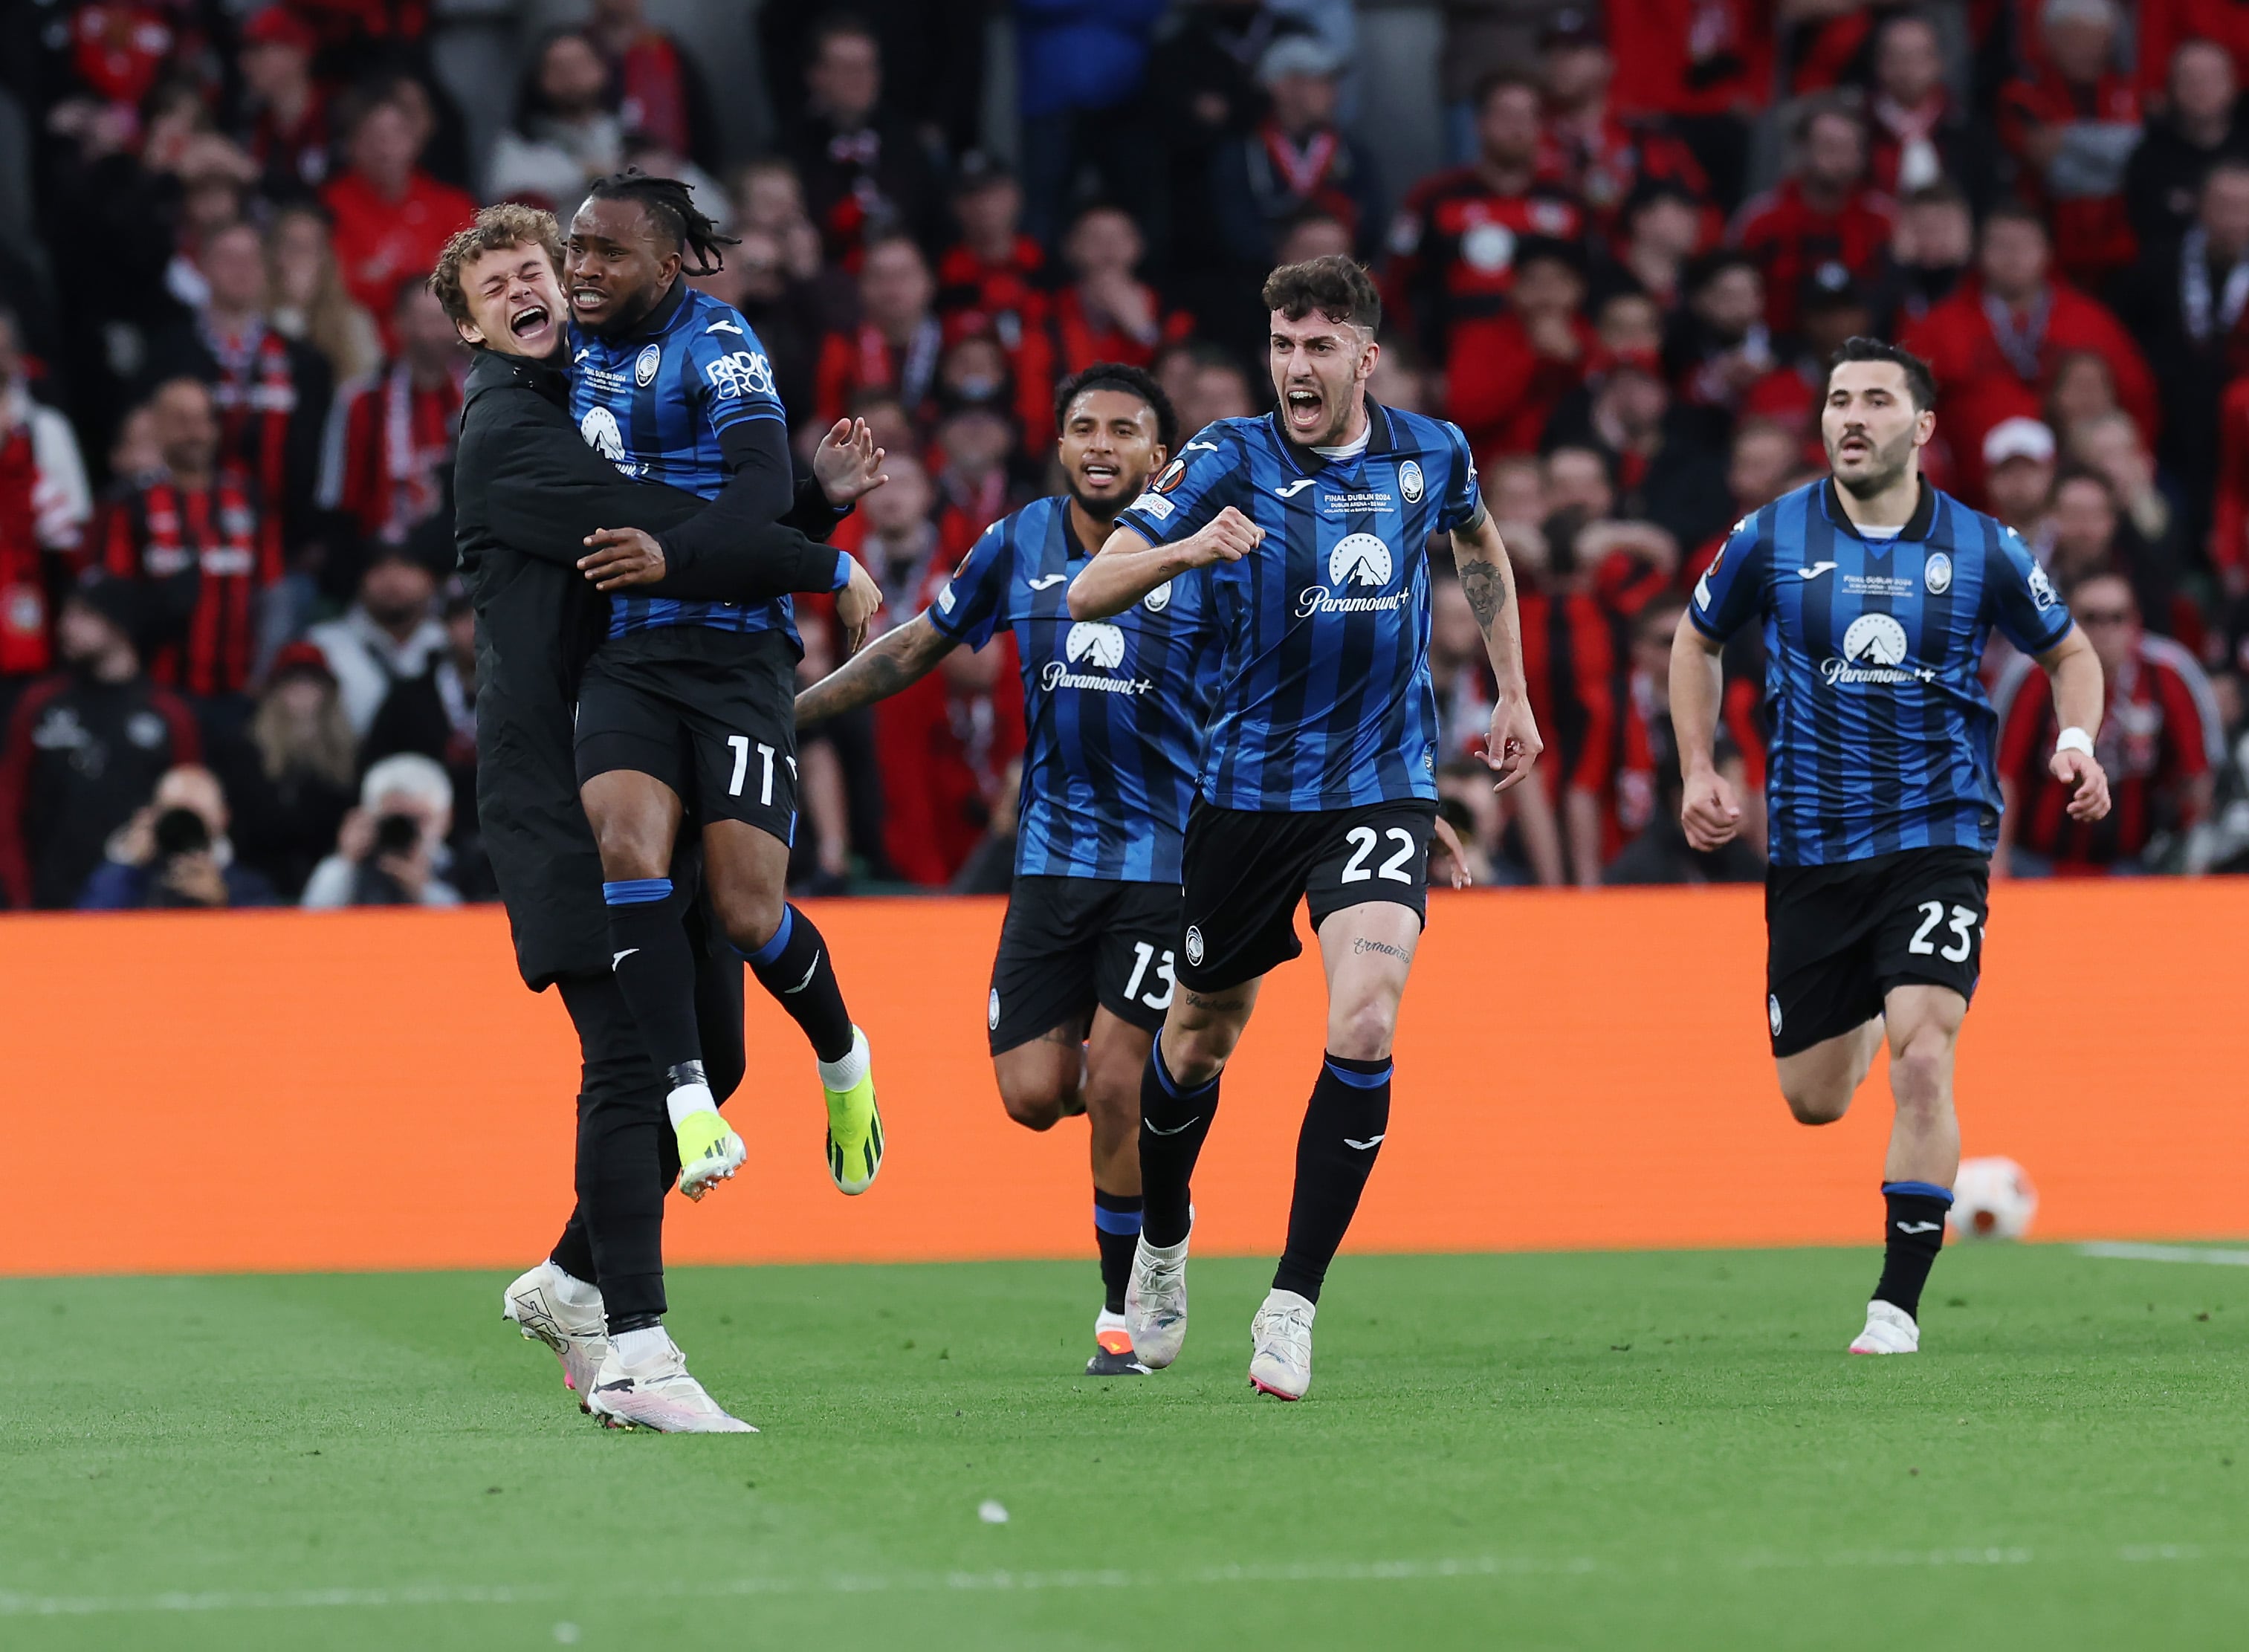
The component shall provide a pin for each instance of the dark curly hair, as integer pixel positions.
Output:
(1115, 376)
(671, 205)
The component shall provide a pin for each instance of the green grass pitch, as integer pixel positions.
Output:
(1524, 1451)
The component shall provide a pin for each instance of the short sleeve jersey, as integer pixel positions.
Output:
(1324, 700)
(654, 403)
(1881, 735)
(1113, 710)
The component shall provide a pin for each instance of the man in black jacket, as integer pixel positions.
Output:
(530, 495)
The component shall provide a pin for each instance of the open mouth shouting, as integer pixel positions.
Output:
(1099, 476)
(532, 326)
(1306, 411)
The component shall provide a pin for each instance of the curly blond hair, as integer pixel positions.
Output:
(495, 228)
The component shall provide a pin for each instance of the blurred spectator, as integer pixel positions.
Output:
(391, 218)
(2081, 388)
(1919, 136)
(1106, 314)
(1658, 459)
(2109, 445)
(768, 196)
(291, 779)
(1760, 467)
(1662, 228)
(2189, 307)
(900, 544)
(1647, 789)
(84, 747)
(2198, 124)
(271, 392)
(896, 345)
(1994, 343)
(2086, 531)
(935, 48)
(436, 715)
(1313, 234)
(1459, 670)
(44, 507)
(948, 748)
(564, 134)
(2228, 525)
(1511, 370)
(974, 487)
(1454, 244)
(2164, 24)
(659, 92)
(288, 134)
(1569, 661)
(174, 853)
(2071, 122)
(2018, 473)
(390, 437)
(305, 296)
(1824, 212)
(1705, 67)
(1717, 346)
(1204, 93)
(1934, 243)
(2160, 740)
(202, 547)
(390, 850)
(387, 637)
(1297, 160)
(991, 277)
(1209, 385)
(1080, 67)
(1587, 147)
(785, 312)
(864, 172)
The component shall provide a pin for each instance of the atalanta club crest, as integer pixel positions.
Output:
(644, 367)
(1409, 481)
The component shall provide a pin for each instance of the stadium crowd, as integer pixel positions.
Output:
(234, 666)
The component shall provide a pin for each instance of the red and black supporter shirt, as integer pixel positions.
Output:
(1791, 238)
(1453, 248)
(388, 441)
(209, 555)
(2160, 732)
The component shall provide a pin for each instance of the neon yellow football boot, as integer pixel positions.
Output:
(855, 1123)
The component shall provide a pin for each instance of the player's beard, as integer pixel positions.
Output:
(1889, 469)
(1104, 511)
(633, 311)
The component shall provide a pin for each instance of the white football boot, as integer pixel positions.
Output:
(547, 1305)
(1156, 1300)
(1889, 1330)
(656, 1393)
(1281, 1346)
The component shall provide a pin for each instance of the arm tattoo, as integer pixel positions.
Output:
(898, 660)
(1485, 592)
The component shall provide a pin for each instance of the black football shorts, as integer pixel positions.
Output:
(1071, 943)
(1840, 937)
(1245, 870)
(710, 713)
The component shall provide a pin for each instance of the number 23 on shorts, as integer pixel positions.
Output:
(1953, 940)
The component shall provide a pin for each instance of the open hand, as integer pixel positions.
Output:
(846, 463)
(622, 556)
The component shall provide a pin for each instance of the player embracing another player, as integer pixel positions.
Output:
(1877, 594)
(1114, 711)
(1304, 535)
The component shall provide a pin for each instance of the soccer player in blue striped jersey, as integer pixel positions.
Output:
(1876, 594)
(1308, 532)
(683, 712)
(1114, 711)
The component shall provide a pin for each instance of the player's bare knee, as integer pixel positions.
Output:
(1033, 1110)
(1815, 1101)
(751, 918)
(1362, 1032)
(1921, 1074)
(1193, 1059)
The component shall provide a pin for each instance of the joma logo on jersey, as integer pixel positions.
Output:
(743, 373)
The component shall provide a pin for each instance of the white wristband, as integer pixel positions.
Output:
(2074, 740)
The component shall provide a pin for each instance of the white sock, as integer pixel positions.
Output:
(1164, 1253)
(842, 1075)
(638, 1347)
(689, 1098)
(574, 1291)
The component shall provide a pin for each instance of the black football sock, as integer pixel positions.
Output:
(655, 967)
(1117, 1230)
(796, 968)
(1344, 1127)
(1173, 1121)
(1916, 1234)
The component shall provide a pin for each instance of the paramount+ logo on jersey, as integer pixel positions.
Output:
(1359, 564)
(1092, 650)
(1874, 648)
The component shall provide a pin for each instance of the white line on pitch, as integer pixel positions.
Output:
(2168, 1252)
(1487, 1565)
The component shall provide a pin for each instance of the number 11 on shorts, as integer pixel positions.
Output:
(740, 743)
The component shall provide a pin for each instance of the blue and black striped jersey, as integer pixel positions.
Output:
(653, 404)
(1324, 699)
(1113, 710)
(1882, 735)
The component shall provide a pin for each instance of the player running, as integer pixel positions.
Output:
(686, 705)
(1305, 535)
(1877, 594)
(1114, 711)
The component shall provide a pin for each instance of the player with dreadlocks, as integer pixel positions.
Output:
(685, 710)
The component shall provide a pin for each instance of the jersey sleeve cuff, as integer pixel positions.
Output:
(1703, 626)
(842, 570)
(1140, 525)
